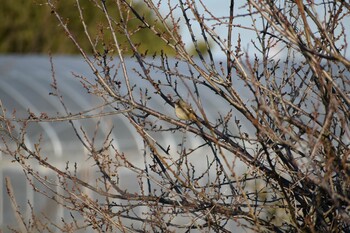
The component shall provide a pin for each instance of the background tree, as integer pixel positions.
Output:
(284, 116)
(28, 26)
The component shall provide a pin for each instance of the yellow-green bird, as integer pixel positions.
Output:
(184, 111)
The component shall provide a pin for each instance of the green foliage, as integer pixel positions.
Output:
(201, 46)
(29, 27)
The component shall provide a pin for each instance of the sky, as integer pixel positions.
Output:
(220, 8)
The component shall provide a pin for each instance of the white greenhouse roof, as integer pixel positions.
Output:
(25, 83)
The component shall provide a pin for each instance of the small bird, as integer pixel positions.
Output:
(184, 111)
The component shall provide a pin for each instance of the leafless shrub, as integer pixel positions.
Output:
(274, 153)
